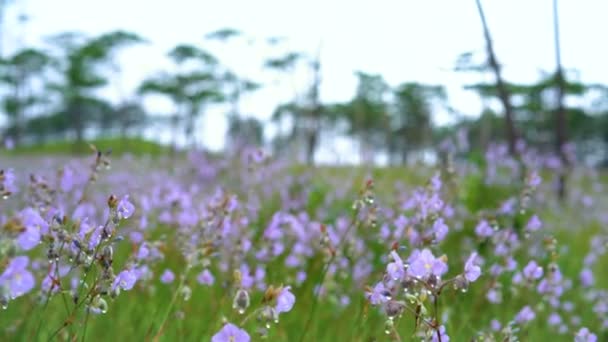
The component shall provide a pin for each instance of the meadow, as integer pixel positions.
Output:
(187, 247)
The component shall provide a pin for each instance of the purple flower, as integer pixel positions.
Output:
(231, 333)
(125, 208)
(494, 296)
(67, 179)
(34, 226)
(471, 271)
(534, 224)
(554, 319)
(9, 143)
(440, 229)
(533, 271)
(29, 239)
(495, 325)
(125, 280)
(525, 315)
(16, 278)
(9, 181)
(436, 182)
(377, 295)
(584, 335)
(285, 300)
(586, 277)
(424, 264)
(167, 277)
(534, 180)
(395, 269)
(205, 278)
(483, 229)
(143, 252)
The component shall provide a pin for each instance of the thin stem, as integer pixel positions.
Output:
(395, 334)
(436, 310)
(172, 303)
(86, 321)
(248, 317)
(321, 278)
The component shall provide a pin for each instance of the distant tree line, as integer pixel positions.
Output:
(53, 93)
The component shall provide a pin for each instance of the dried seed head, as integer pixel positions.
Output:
(112, 202)
(271, 293)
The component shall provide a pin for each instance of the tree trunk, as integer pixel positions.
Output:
(503, 92)
(560, 113)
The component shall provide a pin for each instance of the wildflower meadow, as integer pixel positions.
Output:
(244, 248)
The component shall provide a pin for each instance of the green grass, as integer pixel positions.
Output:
(119, 146)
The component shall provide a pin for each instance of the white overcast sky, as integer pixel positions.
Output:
(404, 40)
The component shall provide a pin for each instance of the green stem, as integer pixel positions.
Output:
(171, 304)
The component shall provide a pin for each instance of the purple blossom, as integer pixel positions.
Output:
(377, 295)
(167, 277)
(534, 180)
(67, 179)
(494, 296)
(586, 277)
(533, 271)
(125, 280)
(9, 181)
(125, 208)
(396, 269)
(9, 143)
(436, 182)
(584, 335)
(440, 229)
(534, 224)
(425, 264)
(285, 300)
(483, 229)
(554, 319)
(495, 325)
(34, 226)
(526, 314)
(205, 278)
(471, 271)
(16, 278)
(231, 333)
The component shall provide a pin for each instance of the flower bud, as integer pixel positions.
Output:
(393, 308)
(186, 292)
(268, 314)
(241, 301)
(461, 283)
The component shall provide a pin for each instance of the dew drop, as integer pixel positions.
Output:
(241, 311)
(463, 290)
(4, 306)
(267, 325)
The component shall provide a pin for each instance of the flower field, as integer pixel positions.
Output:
(195, 248)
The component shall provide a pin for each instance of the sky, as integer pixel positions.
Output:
(405, 40)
